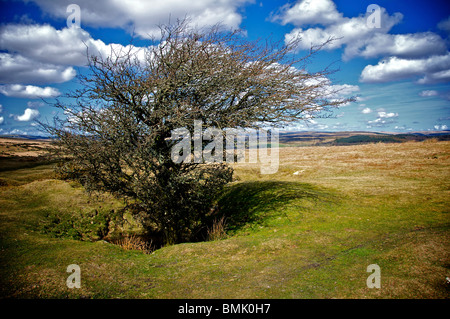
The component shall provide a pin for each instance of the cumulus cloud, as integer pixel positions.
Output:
(433, 69)
(18, 69)
(45, 44)
(411, 45)
(142, 17)
(383, 119)
(441, 127)
(436, 77)
(28, 115)
(358, 39)
(309, 12)
(38, 54)
(422, 54)
(48, 45)
(28, 91)
(366, 110)
(1, 119)
(351, 33)
(387, 115)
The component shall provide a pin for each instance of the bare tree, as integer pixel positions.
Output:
(116, 131)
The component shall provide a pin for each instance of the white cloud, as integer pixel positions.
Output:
(367, 110)
(436, 77)
(142, 17)
(441, 127)
(17, 132)
(433, 69)
(38, 54)
(28, 115)
(411, 45)
(18, 69)
(422, 54)
(352, 33)
(359, 40)
(428, 93)
(46, 44)
(377, 122)
(1, 119)
(383, 119)
(28, 91)
(309, 12)
(387, 115)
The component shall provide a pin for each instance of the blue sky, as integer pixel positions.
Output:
(399, 68)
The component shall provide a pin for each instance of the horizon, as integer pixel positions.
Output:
(442, 132)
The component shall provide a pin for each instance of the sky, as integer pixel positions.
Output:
(393, 56)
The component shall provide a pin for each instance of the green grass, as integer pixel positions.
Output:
(310, 235)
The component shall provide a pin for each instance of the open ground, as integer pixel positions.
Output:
(308, 231)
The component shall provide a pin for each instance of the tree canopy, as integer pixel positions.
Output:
(116, 133)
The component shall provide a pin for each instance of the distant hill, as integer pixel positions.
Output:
(354, 138)
(287, 139)
(25, 137)
(397, 138)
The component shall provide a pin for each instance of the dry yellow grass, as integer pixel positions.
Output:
(360, 166)
(22, 147)
(133, 242)
(217, 230)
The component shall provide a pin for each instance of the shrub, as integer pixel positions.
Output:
(117, 127)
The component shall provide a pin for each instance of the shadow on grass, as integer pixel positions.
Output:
(11, 163)
(254, 202)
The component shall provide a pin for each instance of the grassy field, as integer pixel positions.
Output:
(311, 234)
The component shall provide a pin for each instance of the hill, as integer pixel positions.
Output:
(355, 138)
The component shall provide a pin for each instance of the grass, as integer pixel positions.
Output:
(217, 230)
(310, 235)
